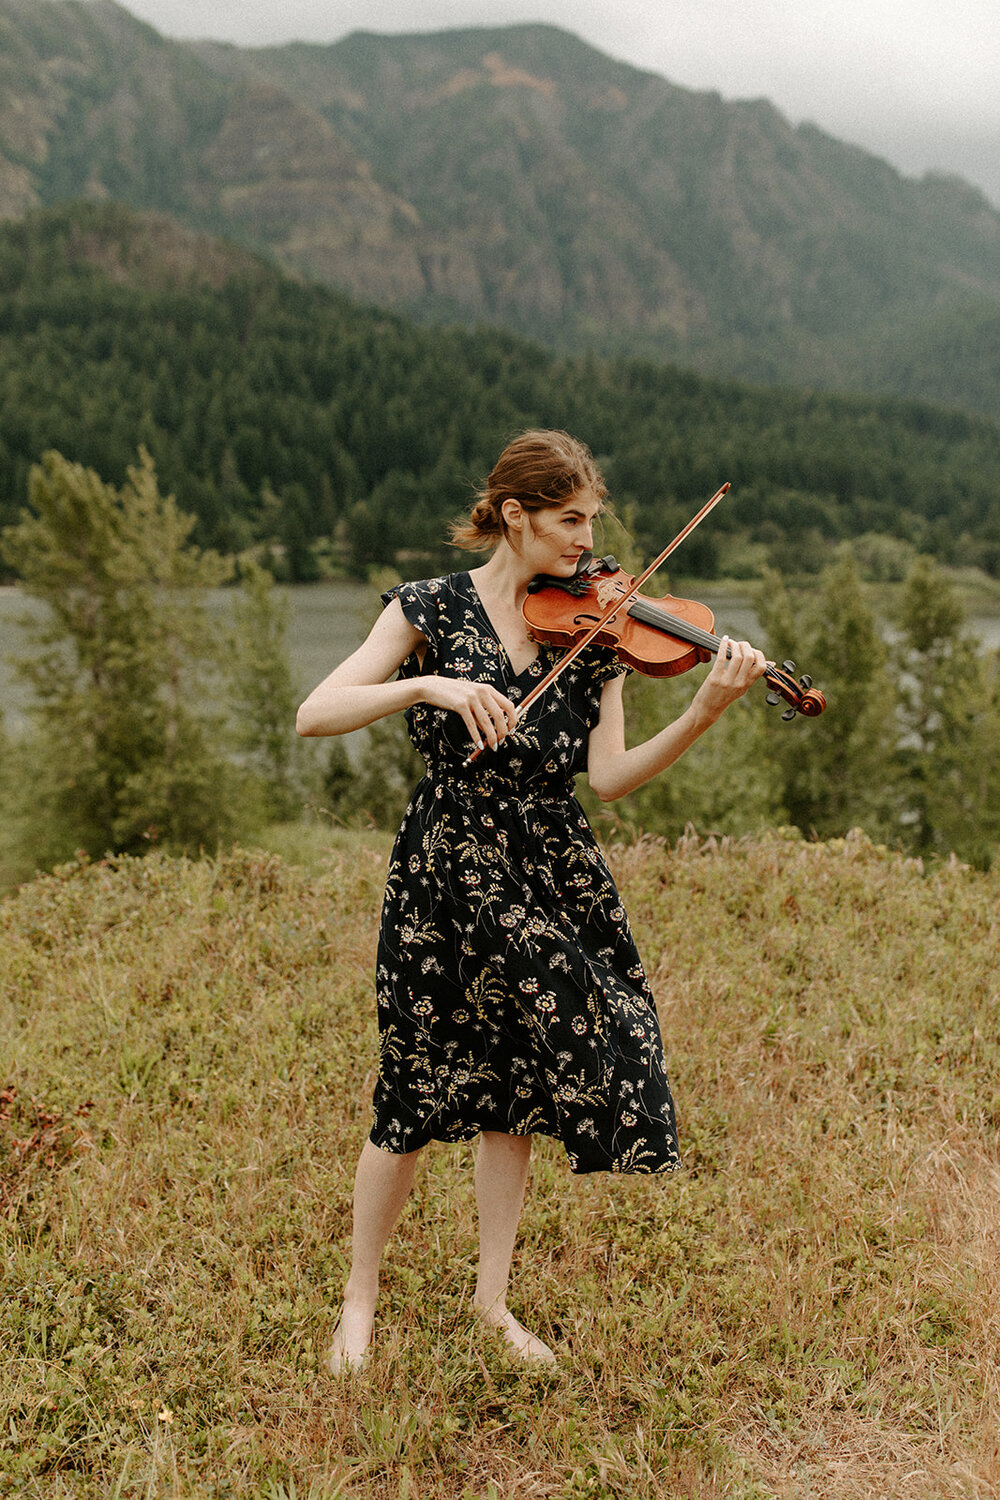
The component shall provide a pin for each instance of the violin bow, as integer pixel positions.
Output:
(610, 614)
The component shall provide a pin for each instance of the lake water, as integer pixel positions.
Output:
(328, 620)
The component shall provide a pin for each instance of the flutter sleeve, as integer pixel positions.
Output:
(421, 604)
(604, 665)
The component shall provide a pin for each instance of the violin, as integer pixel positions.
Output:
(602, 603)
(658, 637)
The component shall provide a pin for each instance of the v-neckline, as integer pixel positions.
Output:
(496, 634)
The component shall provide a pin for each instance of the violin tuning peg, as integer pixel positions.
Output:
(773, 699)
(789, 713)
(789, 666)
(805, 681)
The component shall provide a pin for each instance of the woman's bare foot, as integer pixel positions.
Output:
(352, 1337)
(524, 1345)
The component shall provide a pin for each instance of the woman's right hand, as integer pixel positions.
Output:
(359, 691)
(488, 715)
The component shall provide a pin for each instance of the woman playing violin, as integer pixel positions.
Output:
(511, 999)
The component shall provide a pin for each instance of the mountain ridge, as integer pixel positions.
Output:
(517, 176)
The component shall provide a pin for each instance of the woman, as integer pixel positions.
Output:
(511, 998)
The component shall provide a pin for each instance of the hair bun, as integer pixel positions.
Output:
(484, 515)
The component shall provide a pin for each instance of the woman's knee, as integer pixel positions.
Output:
(498, 1141)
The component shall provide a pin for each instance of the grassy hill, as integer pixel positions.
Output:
(516, 176)
(809, 1309)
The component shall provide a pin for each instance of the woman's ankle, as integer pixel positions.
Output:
(489, 1305)
(360, 1294)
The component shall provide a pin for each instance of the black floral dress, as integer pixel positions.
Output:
(510, 993)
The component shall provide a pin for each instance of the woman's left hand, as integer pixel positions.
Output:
(736, 667)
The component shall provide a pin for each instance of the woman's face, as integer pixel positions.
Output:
(554, 539)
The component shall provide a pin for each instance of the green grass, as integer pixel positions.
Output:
(812, 1309)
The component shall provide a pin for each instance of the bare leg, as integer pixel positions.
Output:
(381, 1186)
(501, 1174)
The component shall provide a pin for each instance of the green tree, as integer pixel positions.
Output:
(126, 743)
(262, 694)
(949, 722)
(725, 783)
(839, 770)
(374, 792)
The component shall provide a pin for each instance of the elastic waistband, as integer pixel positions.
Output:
(487, 784)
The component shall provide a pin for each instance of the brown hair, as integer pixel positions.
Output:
(539, 469)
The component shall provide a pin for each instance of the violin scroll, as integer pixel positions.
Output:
(801, 696)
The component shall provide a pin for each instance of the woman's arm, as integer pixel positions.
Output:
(359, 691)
(614, 771)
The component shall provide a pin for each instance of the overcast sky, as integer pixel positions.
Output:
(915, 81)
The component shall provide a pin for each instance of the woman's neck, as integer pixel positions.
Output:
(505, 576)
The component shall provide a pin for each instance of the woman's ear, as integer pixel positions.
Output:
(513, 514)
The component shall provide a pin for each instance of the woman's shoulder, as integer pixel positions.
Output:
(428, 589)
(425, 601)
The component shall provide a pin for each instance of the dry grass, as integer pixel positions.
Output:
(811, 1310)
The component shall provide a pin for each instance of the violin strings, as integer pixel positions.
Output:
(651, 614)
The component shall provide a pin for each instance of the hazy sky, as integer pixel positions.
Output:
(915, 81)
